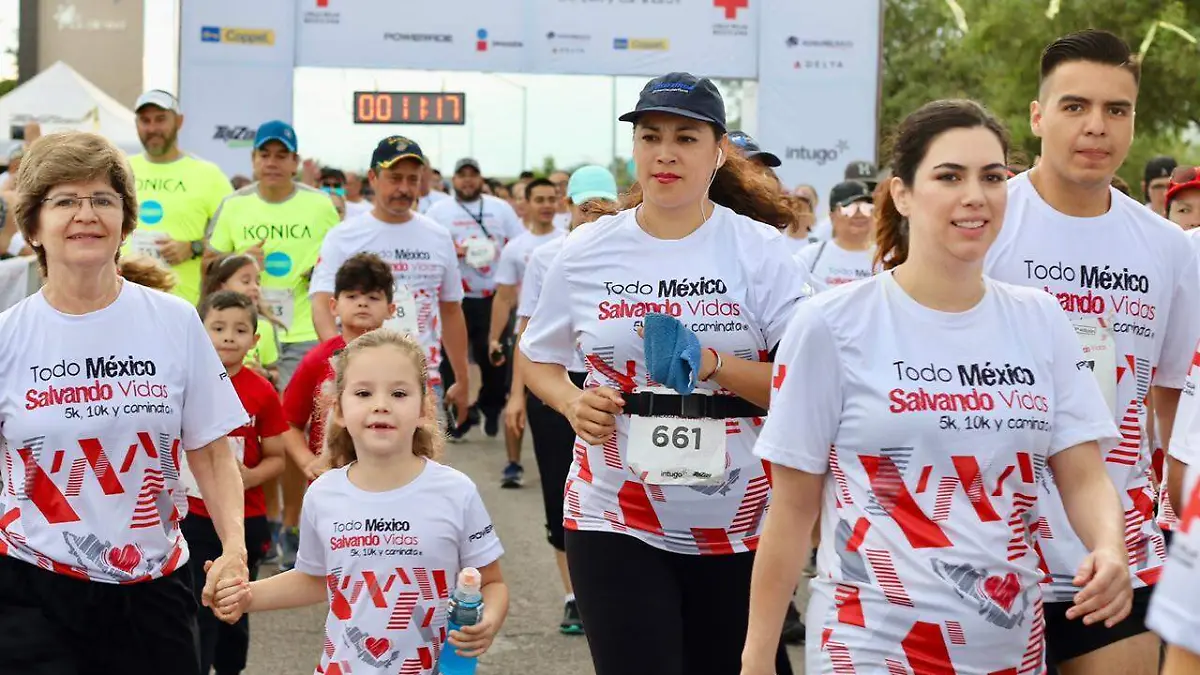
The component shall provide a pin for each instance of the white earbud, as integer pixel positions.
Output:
(720, 157)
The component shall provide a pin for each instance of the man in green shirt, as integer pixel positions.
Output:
(177, 194)
(281, 223)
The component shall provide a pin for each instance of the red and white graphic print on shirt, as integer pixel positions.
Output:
(390, 560)
(1137, 271)
(484, 218)
(422, 258)
(1172, 611)
(831, 265)
(936, 429)
(735, 287)
(95, 412)
(515, 257)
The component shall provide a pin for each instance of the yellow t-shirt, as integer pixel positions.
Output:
(176, 200)
(266, 352)
(293, 231)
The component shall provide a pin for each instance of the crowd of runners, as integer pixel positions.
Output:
(956, 397)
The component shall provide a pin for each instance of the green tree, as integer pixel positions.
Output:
(7, 86)
(928, 56)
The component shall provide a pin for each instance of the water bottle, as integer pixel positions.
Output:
(465, 609)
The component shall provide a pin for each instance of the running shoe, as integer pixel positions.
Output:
(291, 545)
(514, 476)
(793, 628)
(458, 433)
(571, 623)
(271, 557)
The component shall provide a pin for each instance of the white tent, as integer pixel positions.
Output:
(60, 99)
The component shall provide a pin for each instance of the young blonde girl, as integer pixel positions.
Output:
(387, 520)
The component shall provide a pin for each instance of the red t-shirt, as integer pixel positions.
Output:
(266, 420)
(304, 403)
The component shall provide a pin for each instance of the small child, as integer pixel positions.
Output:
(230, 318)
(385, 534)
(239, 272)
(362, 301)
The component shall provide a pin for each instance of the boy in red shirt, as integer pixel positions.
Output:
(231, 319)
(362, 301)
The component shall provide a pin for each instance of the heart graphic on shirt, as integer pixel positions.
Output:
(1002, 590)
(377, 646)
(124, 559)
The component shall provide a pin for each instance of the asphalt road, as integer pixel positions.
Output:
(289, 642)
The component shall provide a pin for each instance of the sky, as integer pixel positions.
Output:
(576, 129)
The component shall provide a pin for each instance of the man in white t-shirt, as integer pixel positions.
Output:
(429, 196)
(848, 256)
(481, 225)
(428, 292)
(542, 197)
(1129, 281)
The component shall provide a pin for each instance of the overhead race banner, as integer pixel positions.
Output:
(605, 37)
(818, 75)
(236, 68)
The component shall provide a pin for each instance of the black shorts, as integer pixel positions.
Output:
(1067, 639)
(52, 624)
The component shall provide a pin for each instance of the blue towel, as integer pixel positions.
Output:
(672, 352)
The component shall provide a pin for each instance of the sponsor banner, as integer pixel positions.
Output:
(818, 66)
(235, 72)
(480, 35)
(225, 104)
(716, 38)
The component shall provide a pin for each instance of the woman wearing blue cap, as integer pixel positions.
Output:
(664, 500)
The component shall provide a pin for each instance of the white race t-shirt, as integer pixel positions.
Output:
(562, 221)
(831, 265)
(1136, 272)
(390, 560)
(423, 263)
(1172, 611)
(486, 218)
(95, 413)
(356, 209)
(935, 429)
(735, 287)
(430, 199)
(515, 256)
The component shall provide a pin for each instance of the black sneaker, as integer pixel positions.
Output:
(458, 433)
(793, 628)
(571, 623)
(513, 477)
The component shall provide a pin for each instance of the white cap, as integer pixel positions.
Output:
(157, 97)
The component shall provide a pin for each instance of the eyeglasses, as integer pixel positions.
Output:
(101, 203)
(865, 208)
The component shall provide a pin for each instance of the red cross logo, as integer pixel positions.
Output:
(731, 7)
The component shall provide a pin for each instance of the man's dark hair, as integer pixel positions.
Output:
(526, 175)
(330, 172)
(364, 273)
(228, 300)
(1096, 46)
(537, 182)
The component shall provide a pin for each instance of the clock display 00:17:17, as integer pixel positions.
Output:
(403, 107)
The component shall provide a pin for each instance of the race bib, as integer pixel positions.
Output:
(190, 487)
(479, 252)
(675, 450)
(145, 242)
(280, 303)
(1100, 355)
(405, 318)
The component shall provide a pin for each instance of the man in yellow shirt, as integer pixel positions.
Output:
(282, 223)
(177, 194)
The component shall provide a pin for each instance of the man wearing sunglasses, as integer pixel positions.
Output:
(848, 255)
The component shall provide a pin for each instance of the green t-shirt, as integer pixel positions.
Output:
(266, 352)
(176, 200)
(292, 232)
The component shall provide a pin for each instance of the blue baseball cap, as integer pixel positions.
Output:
(591, 182)
(276, 130)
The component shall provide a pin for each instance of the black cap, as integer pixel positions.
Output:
(681, 94)
(863, 171)
(1159, 167)
(393, 149)
(848, 192)
(751, 150)
(467, 162)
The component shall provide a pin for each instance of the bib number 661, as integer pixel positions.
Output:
(683, 438)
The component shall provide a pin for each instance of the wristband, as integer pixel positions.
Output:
(716, 368)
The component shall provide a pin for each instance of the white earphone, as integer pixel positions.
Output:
(720, 157)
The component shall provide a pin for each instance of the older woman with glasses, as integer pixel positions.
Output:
(105, 386)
